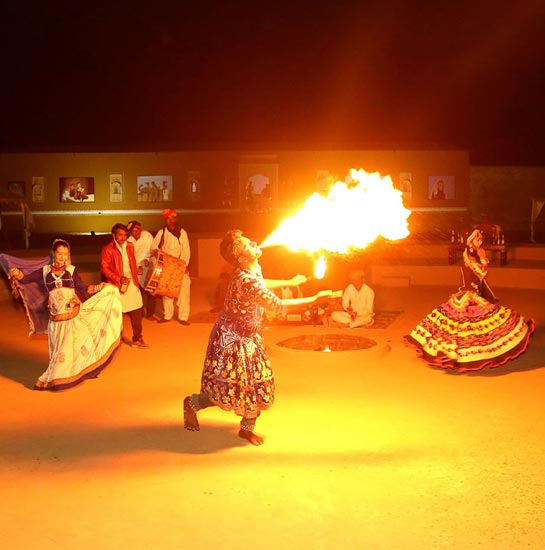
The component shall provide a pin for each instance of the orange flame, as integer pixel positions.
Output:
(320, 267)
(350, 217)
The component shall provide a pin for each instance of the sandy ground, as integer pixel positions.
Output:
(365, 449)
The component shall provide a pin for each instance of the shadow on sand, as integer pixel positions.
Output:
(80, 444)
(21, 368)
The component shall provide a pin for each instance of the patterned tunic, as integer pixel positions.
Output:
(237, 374)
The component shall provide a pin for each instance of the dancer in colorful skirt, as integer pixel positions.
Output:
(471, 330)
(237, 374)
(83, 336)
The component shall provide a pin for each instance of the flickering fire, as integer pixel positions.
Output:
(320, 267)
(350, 217)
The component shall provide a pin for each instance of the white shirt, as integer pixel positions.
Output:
(179, 248)
(142, 251)
(362, 301)
(132, 298)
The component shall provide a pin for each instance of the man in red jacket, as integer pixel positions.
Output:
(118, 266)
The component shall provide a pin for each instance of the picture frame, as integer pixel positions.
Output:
(441, 188)
(115, 186)
(405, 185)
(17, 188)
(229, 195)
(77, 189)
(193, 185)
(258, 187)
(154, 188)
(38, 189)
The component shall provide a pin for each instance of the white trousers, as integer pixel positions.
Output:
(343, 317)
(183, 302)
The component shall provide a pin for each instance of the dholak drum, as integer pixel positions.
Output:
(165, 275)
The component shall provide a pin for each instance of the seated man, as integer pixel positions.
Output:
(357, 302)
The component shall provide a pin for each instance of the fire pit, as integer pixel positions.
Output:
(328, 342)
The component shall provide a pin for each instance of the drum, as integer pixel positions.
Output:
(165, 275)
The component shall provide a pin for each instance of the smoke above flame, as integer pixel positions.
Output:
(350, 217)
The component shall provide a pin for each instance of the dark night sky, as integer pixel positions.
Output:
(276, 75)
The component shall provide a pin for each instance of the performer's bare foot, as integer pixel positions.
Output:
(191, 422)
(253, 438)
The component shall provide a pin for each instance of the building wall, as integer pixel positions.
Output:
(293, 176)
(505, 193)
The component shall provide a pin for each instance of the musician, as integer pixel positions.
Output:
(142, 240)
(173, 240)
(118, 266)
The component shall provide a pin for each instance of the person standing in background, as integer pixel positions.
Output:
(118, 266)
(173, 240)
(142, 241)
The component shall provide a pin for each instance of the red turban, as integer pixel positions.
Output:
(168, 212)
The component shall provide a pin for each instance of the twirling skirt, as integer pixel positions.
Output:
(82, 347)
(468, 333)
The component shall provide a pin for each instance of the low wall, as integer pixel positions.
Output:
(386, 264)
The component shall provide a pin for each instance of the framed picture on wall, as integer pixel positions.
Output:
(116, 187)
(405, 185)
(154, 188)
(38, 189)
(441, 188)
(258, 185)
(16, 188)
(193, 185)
(81, 189)
(229, 196)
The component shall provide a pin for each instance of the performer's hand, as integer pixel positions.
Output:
(140, 270)
(298, 280)
(16, 273)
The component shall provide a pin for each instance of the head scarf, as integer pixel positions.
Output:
(168, 212)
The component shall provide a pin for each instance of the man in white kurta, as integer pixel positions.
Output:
(142, 241)
(174, 241)
(357, 302)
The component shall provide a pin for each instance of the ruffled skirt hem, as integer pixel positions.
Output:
(442, 360)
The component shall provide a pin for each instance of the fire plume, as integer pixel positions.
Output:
(350, 217)
(320, 267)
